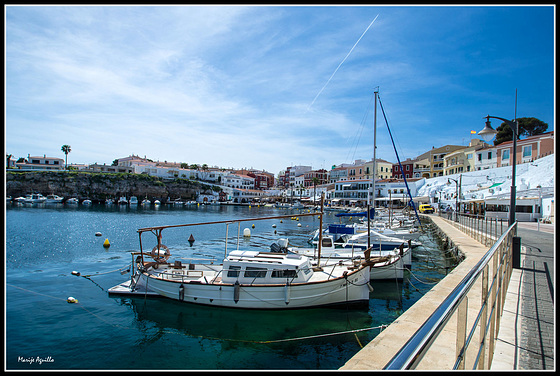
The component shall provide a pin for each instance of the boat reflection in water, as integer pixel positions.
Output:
(250, 326)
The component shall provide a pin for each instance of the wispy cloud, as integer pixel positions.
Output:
(232, 85)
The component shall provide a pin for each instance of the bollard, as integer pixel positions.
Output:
(516, 252)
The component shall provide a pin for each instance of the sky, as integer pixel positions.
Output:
(268, 87)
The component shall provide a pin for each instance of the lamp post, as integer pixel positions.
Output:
(487, 135)
(540, 208)
(457, 186)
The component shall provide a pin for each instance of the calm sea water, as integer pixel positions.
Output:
(44, 244)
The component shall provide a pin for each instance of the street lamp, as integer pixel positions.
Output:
(487, 135)
(457, 186)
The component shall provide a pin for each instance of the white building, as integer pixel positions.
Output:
(238, 181)
(43, 163)
(485, 158)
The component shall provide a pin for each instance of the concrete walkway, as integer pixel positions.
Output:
(527, 333)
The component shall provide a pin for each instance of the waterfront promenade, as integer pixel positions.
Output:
(526, 338)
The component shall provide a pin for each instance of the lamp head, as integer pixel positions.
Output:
(488, 133)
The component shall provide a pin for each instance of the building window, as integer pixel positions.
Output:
(505, 154)
(479, 157)
(527, 151)
(489, 155)
(469, 156)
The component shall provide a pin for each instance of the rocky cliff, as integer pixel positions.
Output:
(99, 186)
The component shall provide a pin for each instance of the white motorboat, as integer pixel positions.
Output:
(133, 200)
(178, 202)
(359, 240)
(122, 200)
(378, 241)
(157, 202)
(72, 201)
(388, 264)
(35, 198)
(87, 201)
(146, 202)
(109, 201)
(257, 279)
(54, 199)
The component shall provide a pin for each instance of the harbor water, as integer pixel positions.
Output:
(45, 244)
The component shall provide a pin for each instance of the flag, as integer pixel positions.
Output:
(473, 132)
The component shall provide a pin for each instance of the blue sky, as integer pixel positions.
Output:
(268, 86)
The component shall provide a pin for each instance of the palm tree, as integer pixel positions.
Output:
(66, 149)
(8, 157)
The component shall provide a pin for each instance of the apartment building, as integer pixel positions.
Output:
(477, 155)
(435, 160)
(408, 170)
(528, 149)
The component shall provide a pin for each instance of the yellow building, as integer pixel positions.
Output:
(435, 160)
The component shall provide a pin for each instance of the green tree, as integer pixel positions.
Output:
(66, 149)
(528, 126)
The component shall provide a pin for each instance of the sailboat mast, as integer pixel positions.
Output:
(374, 149)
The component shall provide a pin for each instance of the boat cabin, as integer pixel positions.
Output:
(254, 267)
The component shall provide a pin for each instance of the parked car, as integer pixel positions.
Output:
(426, 208)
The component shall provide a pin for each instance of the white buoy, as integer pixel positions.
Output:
(273, 225)
(299, 225)
(98, 234)
(71, 299)
(75, 273)
(246, 232)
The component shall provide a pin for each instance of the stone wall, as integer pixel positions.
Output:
(99, 186)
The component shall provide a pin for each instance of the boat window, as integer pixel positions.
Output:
(233, 271)
(290, 273)
(252, 272)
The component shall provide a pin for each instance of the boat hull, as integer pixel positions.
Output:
(352, 289)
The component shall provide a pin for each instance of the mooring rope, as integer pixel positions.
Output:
(126, 268)
(353, 331)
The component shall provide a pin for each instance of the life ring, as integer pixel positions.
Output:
(160, 254)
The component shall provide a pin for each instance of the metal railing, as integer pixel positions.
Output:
(474, 346)
(483, 229)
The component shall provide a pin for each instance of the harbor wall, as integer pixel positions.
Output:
(99, 186)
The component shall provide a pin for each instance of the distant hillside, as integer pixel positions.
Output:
(99, 186)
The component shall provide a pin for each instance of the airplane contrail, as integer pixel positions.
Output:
(342, 62)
